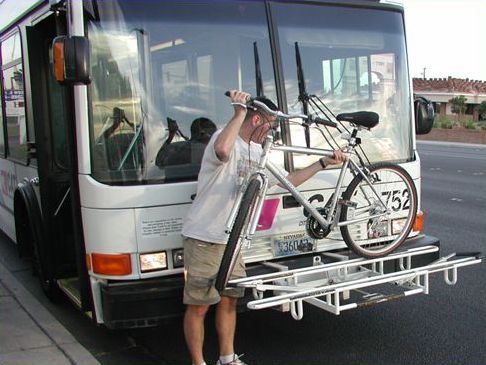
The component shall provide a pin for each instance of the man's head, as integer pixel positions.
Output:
(202, 129)
(259, 120)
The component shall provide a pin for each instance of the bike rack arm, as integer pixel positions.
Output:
(412, 280)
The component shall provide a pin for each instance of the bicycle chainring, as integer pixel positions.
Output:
(314, 228)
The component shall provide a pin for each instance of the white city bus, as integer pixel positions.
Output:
(99, 170)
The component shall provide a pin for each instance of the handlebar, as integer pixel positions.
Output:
(252, 103)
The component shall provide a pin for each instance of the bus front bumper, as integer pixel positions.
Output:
(153, 302)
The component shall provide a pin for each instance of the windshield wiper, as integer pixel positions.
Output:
(313, 101)
(258, 71)
(303, 97)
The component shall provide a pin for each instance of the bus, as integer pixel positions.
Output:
(106, 108)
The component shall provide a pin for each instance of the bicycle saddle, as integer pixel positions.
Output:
(364, 119)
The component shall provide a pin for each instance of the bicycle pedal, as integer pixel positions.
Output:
(347, 203)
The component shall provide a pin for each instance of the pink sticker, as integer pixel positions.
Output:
(269, 209)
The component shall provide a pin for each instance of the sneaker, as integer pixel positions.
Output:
(235, 361)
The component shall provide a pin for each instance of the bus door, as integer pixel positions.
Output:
(53, 118)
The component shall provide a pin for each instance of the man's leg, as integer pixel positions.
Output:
(194, 331)
(226, 324)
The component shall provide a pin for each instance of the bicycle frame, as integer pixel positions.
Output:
(260, 172)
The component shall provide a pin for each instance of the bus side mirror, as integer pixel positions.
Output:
(71, 60)
(424, 115)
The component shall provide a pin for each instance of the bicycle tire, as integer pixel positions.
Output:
(233, 246)
(369, 238)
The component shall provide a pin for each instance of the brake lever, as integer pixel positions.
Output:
(240, 104)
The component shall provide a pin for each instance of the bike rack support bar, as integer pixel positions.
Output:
(426, 283)
(297, 310)
(326, 305)
(405, 263)
(453, 280)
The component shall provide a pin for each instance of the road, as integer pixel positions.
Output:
(446, 327)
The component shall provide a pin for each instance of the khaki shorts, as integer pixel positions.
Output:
(201, 264)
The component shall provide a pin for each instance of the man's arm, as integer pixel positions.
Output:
(299, 176)
(225, 142)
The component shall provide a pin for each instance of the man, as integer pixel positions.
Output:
(223, 166)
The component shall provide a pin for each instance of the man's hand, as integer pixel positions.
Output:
(240, 98)
(225, 141)
(339, 157)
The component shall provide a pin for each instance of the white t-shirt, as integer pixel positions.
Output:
(217, 187)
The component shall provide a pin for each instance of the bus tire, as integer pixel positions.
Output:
(32, 239)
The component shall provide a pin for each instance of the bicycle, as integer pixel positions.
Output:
(376, 211)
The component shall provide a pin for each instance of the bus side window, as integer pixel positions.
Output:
(2, 136)
(12, 77)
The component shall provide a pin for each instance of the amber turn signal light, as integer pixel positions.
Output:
(111, 264)
(418, 224)
(58, 57)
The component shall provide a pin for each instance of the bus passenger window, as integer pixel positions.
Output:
(2, 137)
(13, 86)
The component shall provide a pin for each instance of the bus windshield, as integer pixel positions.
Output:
(353, 59)
(160, 69)
(159, 73)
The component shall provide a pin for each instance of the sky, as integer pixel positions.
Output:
(447, 38)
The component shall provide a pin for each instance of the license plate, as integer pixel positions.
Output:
(378, 230)
(292, 244)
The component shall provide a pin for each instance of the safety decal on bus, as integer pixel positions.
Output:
(161, 227)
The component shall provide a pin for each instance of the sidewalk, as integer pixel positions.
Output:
(29, 334)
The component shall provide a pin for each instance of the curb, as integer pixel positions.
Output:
(48, 324)
(453, 144)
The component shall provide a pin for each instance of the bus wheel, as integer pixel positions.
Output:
(31, 238)
(41, 268)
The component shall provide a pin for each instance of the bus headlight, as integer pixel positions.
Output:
(178, 257)
(153, 261)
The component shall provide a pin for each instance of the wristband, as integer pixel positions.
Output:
(323, 164)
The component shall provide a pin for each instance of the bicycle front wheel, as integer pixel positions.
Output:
(377, 215)
(235, 240)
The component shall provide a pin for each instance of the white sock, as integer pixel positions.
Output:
(203, 363)
(224, 359)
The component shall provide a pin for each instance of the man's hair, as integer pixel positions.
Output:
(270, 104)
(202, 129)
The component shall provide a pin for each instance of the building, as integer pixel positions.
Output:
(441, 90)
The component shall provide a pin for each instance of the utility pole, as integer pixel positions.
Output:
(423, 73)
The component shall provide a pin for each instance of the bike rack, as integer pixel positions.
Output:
(325, 285)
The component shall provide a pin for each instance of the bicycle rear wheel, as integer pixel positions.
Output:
(235, 239)
(376, 229)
